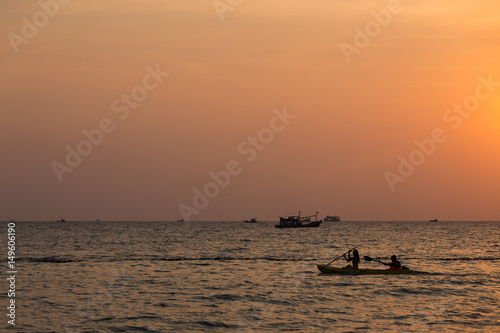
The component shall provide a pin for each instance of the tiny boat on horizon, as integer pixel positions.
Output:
(332, 218)
(252, 220)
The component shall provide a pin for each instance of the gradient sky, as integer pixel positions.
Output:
(353, 120)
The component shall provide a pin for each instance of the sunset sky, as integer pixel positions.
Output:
(231, 70)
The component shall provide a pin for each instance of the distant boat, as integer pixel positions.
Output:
(332, 218)
(434, 220)
(61, 220)
(252, 220)
(180, 220)
(297, 221)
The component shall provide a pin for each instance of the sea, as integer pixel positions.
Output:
(242, 277)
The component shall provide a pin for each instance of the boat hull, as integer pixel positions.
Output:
(301, 225)
(336, 270)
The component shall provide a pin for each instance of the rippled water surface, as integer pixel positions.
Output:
(236, 277)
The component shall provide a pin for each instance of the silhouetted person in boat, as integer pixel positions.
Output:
(395, 264)
(355, 260)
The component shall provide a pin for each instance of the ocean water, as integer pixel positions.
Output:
(237, 277)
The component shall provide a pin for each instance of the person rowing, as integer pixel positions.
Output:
(355, 259)
(395, 265)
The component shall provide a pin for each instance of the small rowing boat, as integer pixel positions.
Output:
(334, 270)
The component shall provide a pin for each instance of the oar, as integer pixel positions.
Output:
(367, 258)
(341, 256)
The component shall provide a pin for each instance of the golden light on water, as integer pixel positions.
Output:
(180, 119)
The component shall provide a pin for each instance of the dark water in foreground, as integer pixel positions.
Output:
(236, 277)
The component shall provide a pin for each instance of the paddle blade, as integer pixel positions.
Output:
(367, 258)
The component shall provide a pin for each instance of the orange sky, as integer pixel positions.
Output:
(353, 120)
